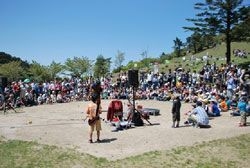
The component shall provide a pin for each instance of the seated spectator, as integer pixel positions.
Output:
(214, 110)
(19, 102)
(234, 108)
(206, 105)
(59, 98)
(228, 102)
(198, 116)
(223, 104)
(40, 99)
(53, 97)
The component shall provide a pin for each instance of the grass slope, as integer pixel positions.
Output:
(218, 54)
(232, 152)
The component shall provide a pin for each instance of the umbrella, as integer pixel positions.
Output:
(26, 80)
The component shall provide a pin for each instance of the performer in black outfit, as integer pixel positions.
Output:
(176, 111)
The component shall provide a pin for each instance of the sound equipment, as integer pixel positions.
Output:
(137, 120)
(133, 78)
(3, 83)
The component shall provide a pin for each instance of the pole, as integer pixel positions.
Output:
(133, 92)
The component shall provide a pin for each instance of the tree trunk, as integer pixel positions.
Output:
(228, 37)
(228, 53)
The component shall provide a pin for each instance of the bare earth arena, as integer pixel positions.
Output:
(62, 125)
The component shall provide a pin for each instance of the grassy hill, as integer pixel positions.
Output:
(218, 54)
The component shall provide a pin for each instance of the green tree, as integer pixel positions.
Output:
(144, 54)
(102, 66)
(164, 57)
(194, 42)
(55, 69)
(78, 66)
(7, 58)
(38, 72)
(12, 70)
(241, 32)
(131, 65)
(178, 44)
(218, 16)
(119, 58)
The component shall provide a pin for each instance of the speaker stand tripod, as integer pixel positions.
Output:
(135, 110)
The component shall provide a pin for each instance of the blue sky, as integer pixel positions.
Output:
(54, 30)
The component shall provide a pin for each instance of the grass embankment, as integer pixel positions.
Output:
(218, 54)
(232, 152)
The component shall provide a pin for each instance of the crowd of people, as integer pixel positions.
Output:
(240, 53)
(219, 88)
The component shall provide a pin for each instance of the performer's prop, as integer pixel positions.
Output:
(115, 109)
(94, 119)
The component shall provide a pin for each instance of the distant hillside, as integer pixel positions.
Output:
(218, 56)
(7, 58)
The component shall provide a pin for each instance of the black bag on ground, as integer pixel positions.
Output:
(136, 119)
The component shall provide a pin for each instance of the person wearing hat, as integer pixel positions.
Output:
(176, 111)
(198, 116)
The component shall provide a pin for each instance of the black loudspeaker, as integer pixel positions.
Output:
(133, 78)
(136, 119)
(3, 82)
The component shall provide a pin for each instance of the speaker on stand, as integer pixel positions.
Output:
(134, 82)
(3, 83)
(133, 78)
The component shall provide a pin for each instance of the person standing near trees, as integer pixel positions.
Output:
(176, 111)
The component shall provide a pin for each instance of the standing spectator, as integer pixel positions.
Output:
(176, 111)
(245, 81)
(230, 86)
(195, 77)
(242, 106)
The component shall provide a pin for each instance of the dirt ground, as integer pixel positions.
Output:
(62, 125)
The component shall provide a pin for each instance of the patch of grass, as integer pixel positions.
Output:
(31, 154)
(231, 152)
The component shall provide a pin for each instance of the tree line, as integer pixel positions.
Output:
(16, 69)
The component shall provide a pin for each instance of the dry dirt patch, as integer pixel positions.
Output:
(62, 125)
